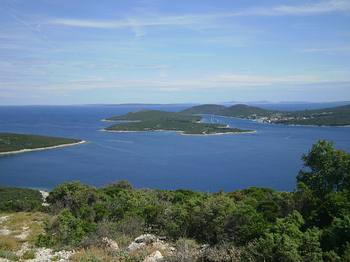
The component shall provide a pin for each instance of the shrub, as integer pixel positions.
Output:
(29, 254)
(18, 199)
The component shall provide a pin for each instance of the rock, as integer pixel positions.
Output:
(4, 219)
(135, 246)
(24, 234)
(48, 255)
(163, 246)
(141, 242)
(154, 257)
(109, 243)
(5, 231)
(146, 238)
(44, 196)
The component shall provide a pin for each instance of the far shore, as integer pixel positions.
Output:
(40, 148)
(180, 132)
(124, 121)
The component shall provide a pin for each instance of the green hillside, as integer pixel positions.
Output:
(154, 115)
(154, 120)
(241, 110)
(336, 116)
(13, 142)
(206, 109)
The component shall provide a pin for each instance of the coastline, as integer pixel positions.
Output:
(260, 121)
(180, 132)
(40, 148)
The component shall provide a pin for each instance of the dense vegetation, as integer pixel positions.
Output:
(15, 199)
(337, 116)
(256, 224)
(12, 142)
(242, 111)
(153, 120)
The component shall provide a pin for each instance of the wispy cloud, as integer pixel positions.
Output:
(308, 9)
(168, 84)
(200, 19)
(133, 22)
(327, 50)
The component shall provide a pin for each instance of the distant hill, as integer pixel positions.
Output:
(153, 115)
(334, 116)
(155, 120)
(206, 109)
(239, 110)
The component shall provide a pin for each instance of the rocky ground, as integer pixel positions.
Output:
(18, 232)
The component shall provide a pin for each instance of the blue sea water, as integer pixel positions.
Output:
(166, 160)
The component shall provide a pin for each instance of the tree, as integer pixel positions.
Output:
(326, 169)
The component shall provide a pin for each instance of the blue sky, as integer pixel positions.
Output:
(163, 51)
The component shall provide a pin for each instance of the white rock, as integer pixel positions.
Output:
(135, 246)
(44, 195)
(154, 257)
(4, 219)
(109, 243)
(141, 242)
(146, 238)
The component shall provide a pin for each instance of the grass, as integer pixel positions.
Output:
(8, 255)
(93, 254)
(16, 223)
(9, 243)
(29, 254)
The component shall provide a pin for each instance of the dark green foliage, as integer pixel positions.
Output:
(327, 170)
(13, 142)
(206, 109)
(153, 120)
(155, 115)
(337, 116)
(18, 199)
(256, 224)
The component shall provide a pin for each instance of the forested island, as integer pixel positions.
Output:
(120, 223)
(155, 120)
(336, 116)
(11, 143)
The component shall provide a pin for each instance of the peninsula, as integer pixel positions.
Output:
(11, 143)
(155, 120)
(336, 116)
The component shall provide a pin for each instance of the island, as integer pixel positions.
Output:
(156, 120)
(11, 143)
(335, 116)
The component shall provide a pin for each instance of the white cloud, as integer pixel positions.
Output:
(327, 50)
(308, 9)
(168, 84)
(205, 19)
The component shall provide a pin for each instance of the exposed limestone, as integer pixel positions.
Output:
(111, 244)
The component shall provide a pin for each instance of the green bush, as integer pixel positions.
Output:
(256, 224)
(18, 199)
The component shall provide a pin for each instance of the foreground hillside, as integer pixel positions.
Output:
(336, 116)
(155, 120)
(120, 223)
(18, 143)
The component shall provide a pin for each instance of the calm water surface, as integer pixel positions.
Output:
(269, 158)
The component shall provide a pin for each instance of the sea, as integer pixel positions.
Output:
(270, 158)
